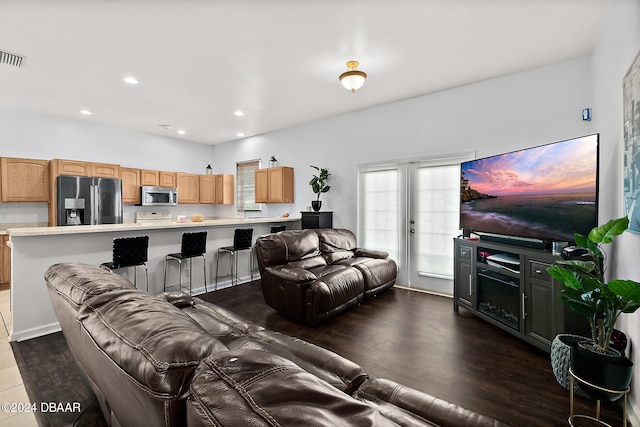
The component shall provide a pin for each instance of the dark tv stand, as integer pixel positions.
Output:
(509, 286)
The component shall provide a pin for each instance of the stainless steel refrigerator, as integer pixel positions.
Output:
(89, 201)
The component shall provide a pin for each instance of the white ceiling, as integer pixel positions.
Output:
(277, 60)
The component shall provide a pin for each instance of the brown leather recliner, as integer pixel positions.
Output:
(313, 275)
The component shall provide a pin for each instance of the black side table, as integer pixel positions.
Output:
(317, 220)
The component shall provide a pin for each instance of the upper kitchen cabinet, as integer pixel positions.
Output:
(167, 179)
(157, 178)
(225, 189)
(188, 187)
(70, 167)
(130, 185)
(24, 180)
(274, 185)
(105, 170)
(79, 168)
(207, 188)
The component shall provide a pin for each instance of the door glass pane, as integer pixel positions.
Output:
(379, 211)
(438, 193)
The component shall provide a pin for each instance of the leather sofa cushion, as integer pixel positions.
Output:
(78, 282)
(151, 340)
(256, 388)
(376, 271)
(219, 322)
(336, 240)
(341, 373)
(308, 263)
(291, 245)
(409, 407)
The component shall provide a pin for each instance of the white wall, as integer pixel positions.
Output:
(40, 136)
(521, 110)
(617, 46)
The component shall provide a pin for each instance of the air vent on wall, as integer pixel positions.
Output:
(10, 59)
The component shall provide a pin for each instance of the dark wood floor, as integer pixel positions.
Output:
(416, 339)
(412, 338)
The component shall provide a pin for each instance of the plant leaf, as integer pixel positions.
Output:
(605, 233)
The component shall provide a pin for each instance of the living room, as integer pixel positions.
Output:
(519, 110)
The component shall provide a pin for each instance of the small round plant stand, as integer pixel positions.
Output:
(572, 417)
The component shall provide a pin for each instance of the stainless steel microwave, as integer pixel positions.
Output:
(158, 196)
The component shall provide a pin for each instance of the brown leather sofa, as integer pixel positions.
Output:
(312, 275)
(173, 360)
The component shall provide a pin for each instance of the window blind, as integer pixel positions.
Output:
(246, 185)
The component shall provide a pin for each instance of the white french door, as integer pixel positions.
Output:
(411, 211)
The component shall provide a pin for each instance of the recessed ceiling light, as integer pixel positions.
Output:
(86, 112)
(182, 131)
(240, 134)
(239, 113)
(131, 80)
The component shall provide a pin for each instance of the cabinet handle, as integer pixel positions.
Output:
(524, 314)
(538, 271)
(470, 284)
(464, 253)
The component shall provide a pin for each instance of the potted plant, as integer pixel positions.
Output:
(319, 185)
(587, 292)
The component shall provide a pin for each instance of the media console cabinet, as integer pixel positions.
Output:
(509, 287)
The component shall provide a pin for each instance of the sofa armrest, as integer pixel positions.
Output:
(178, 298)
(292, 275)
(371, 253)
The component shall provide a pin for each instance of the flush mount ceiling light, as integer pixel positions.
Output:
(353, 79)
(131, 80)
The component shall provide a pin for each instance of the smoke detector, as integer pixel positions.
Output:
(11, 59)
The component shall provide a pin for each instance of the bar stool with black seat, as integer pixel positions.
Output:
(241, 242)
(278, 228)
(192, 245)
(130, 252)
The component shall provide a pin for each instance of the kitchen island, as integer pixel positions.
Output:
(35, 249)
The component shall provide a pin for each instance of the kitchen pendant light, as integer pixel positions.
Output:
(353, 79)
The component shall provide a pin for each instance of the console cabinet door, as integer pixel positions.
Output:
(24, 180)
(464, 284)
(539, 304)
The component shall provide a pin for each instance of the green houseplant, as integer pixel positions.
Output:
(319, 185)
(587, 292)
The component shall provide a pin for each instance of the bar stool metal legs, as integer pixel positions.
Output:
(192, 245)
(241, 242)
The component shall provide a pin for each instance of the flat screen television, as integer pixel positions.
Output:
(545, 193)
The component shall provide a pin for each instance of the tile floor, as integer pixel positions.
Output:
(11, 387)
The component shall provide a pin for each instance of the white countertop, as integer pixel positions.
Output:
(82, 229)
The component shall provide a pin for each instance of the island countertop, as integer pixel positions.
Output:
(142, 226)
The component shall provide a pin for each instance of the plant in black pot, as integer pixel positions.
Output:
(319, 185)
(587, 292)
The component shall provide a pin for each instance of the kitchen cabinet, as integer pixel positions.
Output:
(225, 190)
(188, 187)
(167, 179)
(509, 287)
(105, 170)
(5, 261)
(24, 180)
(149, 177)
(130, 185)
(158, 178)
(70, 167)
(274, 185)
(207, 188)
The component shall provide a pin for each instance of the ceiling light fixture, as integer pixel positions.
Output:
(182, 131)
(86, 112)
(240, 134)
(353, 79)
(239, 113)
(131, 80)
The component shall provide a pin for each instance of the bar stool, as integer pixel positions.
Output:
(241, 242)
(192, 245)
(130, 252)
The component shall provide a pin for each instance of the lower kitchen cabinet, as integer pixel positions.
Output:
(5, 261)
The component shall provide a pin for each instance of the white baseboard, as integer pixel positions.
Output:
(27, 334)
